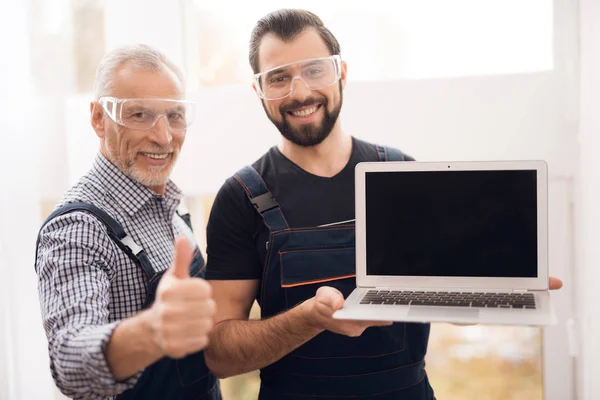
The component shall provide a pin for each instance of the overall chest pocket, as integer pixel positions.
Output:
(303, 272)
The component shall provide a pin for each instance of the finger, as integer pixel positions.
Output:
(555, 283)
(182, 258)
(330, 297)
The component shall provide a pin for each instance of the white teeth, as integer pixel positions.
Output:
(305, 113)
(156, 156)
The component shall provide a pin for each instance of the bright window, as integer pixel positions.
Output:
(391, 40)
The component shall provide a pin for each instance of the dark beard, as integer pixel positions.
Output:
(307, 135)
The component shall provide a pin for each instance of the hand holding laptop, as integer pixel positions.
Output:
(328, 300)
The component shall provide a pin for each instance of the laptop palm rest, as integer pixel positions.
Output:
(427, 312)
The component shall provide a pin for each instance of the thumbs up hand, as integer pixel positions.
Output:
(184, 308)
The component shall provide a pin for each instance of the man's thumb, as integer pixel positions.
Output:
(182, 258)
(331, 297)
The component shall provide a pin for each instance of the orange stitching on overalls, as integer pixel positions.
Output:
(306, 283)
(241, 181)
(272, 235)
(203, 263)
(270, 252)
(377, 148)
(200, 270)
(263, 296)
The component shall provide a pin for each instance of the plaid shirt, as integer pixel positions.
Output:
(87, 284)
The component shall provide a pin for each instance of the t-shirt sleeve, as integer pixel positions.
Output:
(230, 236)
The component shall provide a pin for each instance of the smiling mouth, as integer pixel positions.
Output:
(156, 156)
(305, 112)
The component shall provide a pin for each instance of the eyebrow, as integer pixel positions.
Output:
(312, 62)
(134, 107)
(177, 107)
(279, 70)
(274, 72)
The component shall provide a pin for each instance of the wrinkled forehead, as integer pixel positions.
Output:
(137, 82)
(154, 104)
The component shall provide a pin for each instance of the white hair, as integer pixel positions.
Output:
(139, 55)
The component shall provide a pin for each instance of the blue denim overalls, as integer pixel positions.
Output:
(381, 364)
(186, 378)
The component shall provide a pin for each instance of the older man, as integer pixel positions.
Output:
(124, 309)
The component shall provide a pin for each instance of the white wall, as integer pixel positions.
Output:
(588, 201)
(145, 21)
(518, 116)
(24, 371)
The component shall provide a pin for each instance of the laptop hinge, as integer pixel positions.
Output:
(520, 290)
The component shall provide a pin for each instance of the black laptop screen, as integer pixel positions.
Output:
(452, 223)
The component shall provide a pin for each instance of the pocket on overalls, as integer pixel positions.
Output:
(303, 272)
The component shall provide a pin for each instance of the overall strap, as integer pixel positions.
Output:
(115, 231)
(184, 214)
(261, 198)
(389, 154)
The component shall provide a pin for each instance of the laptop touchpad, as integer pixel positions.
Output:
(443, 312)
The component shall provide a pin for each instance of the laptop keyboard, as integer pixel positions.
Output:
(451, 299)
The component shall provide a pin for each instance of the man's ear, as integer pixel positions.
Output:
(97, 119)
(343, 75)
(255, 90)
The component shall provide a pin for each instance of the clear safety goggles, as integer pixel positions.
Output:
(142, 114)
(315, 73)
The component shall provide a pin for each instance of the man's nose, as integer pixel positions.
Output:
(160, 132)
(299, 89)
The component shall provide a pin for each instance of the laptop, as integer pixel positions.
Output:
(460, 242)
